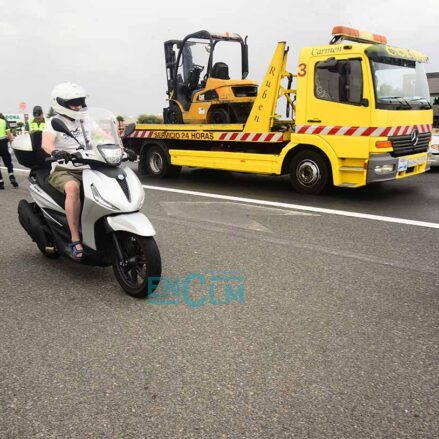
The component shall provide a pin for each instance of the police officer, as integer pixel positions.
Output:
(5, 137)
(38, 122)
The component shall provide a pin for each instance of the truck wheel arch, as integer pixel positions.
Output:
(321, 147)
(144, 149)
(169, 170)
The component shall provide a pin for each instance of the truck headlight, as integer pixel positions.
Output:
(384, 169)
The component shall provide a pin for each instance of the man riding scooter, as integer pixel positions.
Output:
(68, 101)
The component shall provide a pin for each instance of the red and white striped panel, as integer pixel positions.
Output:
(227, 136)
(361, 131)
(142, 134)
(251, 137)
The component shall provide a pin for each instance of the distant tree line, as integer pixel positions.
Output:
(149, 118)
(142, 118)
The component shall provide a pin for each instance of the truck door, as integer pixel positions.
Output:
(338, 101)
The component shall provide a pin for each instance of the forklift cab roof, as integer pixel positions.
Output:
(211, 36)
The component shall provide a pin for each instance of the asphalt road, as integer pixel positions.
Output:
(414, 198)
(336, 335)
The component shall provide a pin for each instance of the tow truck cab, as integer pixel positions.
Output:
(368, 101)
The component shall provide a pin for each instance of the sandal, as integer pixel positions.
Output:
(74, 253)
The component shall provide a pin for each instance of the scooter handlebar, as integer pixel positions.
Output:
(75, 157)
(78, 158)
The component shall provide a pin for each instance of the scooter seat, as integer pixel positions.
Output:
(42, 177)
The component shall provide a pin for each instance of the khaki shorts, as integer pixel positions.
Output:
(60, 176)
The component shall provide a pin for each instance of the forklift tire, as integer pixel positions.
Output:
(219, 116)
(158, 164)
(309, 172)
(173, 115)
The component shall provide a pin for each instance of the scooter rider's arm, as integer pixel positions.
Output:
(48, 145)
(48, 142)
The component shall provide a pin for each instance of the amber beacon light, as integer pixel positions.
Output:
(356, 35)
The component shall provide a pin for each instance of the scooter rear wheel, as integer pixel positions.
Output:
(140, 270)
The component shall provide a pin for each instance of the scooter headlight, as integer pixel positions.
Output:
(112, 154)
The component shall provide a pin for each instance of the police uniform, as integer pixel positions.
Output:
(34, 125)
(5, 154)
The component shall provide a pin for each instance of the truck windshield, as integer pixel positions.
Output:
(400, 84)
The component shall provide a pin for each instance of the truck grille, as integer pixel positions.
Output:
(402, 145)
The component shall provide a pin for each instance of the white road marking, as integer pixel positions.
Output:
(16, 169)
(228, 213)
(387, 219)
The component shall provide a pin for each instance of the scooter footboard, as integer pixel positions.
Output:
(136, 223)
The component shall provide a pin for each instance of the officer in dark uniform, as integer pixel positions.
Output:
(5, 137)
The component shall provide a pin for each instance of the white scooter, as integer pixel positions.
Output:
(114, 231)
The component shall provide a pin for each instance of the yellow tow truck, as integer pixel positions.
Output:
(359, 113)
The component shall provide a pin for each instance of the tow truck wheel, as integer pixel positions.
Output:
(158, 164)
(309, 172)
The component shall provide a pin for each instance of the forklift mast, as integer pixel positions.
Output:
(170, 60)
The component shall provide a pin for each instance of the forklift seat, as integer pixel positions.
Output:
(220, 70)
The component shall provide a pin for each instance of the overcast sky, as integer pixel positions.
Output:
(114, 49)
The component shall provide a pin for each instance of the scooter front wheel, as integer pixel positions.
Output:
(137, 266)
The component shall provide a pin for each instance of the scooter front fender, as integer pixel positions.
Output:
(136, 223)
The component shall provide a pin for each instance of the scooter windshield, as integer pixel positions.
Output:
(104, 128)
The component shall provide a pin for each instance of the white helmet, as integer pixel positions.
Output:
(66, 94)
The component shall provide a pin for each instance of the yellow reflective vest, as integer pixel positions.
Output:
(35, 126)
(3, 129)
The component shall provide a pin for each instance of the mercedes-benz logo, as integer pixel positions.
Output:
(414, 137)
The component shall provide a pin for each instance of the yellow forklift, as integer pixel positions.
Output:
(198, 79)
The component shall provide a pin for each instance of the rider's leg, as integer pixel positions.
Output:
(73, 209)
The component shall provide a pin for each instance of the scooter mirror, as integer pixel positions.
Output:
(60, 126)
(129, 130)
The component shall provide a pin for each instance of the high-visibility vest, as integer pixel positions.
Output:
(35, 126)
(3, 129)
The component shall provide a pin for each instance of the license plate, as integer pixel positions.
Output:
(416, 161)
(402, 165)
